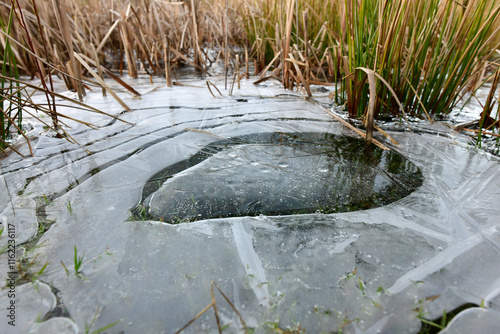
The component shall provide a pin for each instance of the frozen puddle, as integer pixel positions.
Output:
(278, 174)
(365, 271)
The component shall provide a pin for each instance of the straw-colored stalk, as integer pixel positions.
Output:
(428, 52)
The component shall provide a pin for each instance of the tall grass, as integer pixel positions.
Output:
(26, 41)
(425, 53)
(383, 57)
(42, 38)
(127, 35)
(10, 111)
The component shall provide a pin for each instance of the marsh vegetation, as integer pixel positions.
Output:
(382, 60)
(386, 59)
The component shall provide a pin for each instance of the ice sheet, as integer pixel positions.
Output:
(276, 174)
(361, 271)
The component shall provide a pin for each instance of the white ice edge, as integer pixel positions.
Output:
(436, 263)
(252, 263)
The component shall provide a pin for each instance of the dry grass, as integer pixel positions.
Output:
(126, 34)
(429, 53)
(385, 58)
(84, 40)
(415, 57)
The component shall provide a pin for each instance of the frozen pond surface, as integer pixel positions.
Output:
(278, 174)
(361, 271)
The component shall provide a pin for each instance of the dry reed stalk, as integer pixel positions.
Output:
(322, 83)
(211, 83)
(213, 302)
(139, 36)
(98, 66)
(186, 59)
(247, 69)
(112, 76)
(205, 132)
(71, 74)
(349, 126)
(386, 135)
(329, 62)
(166, 53)
(275, 74)
(33, 48)
(196, 317)
(235, 77)
(198, 54)
(320, 63)
(226, 47)
(44, 45)
(370, 114)
(121, 82)
(8, 146)
(103, 84)
(288, 36)
(237, 69)
(261, 80)
(300, 76)
(420, 101)
(486, 119)
(108, 34)
(126, 39)
(60, 116)
(271, 63)
(28, 105)
(306, 45)
(482, 132)
(277, 39)
(300, 54)
(63, 97)
(31, 53)
(394, 95)
(477, 78)
(294, 81)
(349, 87)
(65, 29)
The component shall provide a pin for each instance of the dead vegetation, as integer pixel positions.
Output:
(383, 57)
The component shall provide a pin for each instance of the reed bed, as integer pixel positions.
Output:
(421, 57)
(384, 58)
(125, 35)
(81, 41)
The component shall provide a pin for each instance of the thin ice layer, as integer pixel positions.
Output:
(435, 249)
(284, 176)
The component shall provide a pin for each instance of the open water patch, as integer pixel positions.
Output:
(278, 174)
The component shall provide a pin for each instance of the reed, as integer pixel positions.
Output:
(384, 58)
(28, 55)
(426, 54)
(10, 112)
(51, 37)
(128, 34)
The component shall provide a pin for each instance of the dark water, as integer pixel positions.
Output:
(278, 174)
